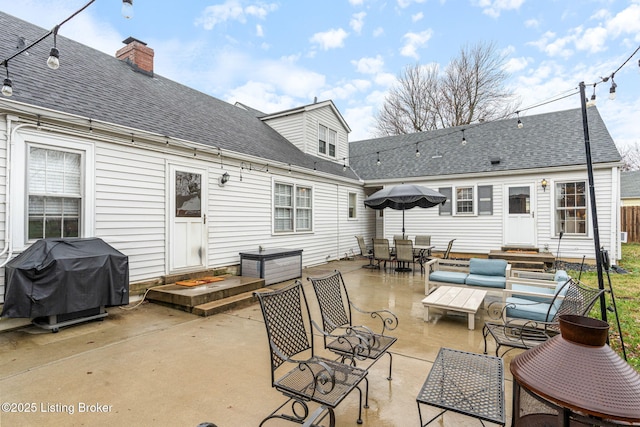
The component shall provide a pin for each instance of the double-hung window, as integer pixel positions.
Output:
(327, 141)
(293, 208)
(464, 200)
(571, 208)
(54, 193)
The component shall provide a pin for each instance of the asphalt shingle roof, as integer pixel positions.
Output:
(95, 85)
(630, 184)
(547, 140)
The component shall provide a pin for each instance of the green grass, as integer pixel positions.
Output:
(626, 289)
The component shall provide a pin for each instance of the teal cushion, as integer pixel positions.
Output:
(561, 290)
(527, 309)
(561, 275)
(498, 282)
(487, 267)
(448, 277)
(535, 289)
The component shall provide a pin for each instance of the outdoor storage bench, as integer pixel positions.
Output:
(477, 272)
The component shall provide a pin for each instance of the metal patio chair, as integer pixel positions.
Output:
(365, 252)
(382, 252)
(527, 323)
(405, 255)
(296, 371)
(336, 311)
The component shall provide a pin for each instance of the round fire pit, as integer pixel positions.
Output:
(574, 379)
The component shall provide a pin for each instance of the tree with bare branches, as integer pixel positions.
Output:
(630, 157)
(471, 88)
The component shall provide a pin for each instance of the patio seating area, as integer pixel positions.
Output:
(153, 365)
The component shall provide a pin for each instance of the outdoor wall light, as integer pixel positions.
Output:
(223, 179)
(544, 184)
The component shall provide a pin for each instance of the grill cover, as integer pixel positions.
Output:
(60, 276)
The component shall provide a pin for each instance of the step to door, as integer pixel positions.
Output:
(219, 306)
(186, 298)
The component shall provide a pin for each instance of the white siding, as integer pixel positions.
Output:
(483, 233)
(3, 196)
(291, 127)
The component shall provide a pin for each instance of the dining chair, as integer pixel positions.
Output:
(404, 254)
(382, 252)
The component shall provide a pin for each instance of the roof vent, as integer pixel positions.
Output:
(138, 55)
(494, 160)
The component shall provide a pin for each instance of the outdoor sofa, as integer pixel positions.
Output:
(490, 274)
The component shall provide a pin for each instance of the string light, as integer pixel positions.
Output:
(378, 162)
(612, 89)
(464, 140)
(344, 164)
(520, 124)
(592, 101)
(91, 127)
(54, 55)
(417, 150)
(127, 9)
(289, 168)
(7, 85)
(314, 166)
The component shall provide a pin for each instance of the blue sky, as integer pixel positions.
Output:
(275, 55)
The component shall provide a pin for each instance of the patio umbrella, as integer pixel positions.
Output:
(404, 196)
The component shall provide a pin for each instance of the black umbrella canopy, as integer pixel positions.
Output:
(404, 196)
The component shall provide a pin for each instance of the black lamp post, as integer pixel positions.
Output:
(592, 198)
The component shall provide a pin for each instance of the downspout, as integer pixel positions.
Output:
(7, 223)
(8, 247)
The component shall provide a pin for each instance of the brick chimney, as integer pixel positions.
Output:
(137, 54)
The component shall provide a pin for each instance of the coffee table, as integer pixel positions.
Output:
(467, 383)
(452, 298)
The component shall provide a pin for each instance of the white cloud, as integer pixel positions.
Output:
(417, 17)
(415, 41)
(232, 10)
(357, 22)
(369, 65)
(356, 2)
(532, 23)
(378, 32)
(346, 91)
(259, 30)
(514, 65)
(493, 8)
(558, 47)
(626, 21)
(406, 3)
(330, 39)
(363, 117)
(592, 40)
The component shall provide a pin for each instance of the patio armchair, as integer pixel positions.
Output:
(336, 311)
(296, 371)
(382, 252)
(529, 318)
(365, 252)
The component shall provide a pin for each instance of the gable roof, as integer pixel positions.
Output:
(547, 140)
(100, 87)
(309, 107)
(630, 184)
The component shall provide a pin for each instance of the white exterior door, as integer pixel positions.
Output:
(520, 223)
(187, 229)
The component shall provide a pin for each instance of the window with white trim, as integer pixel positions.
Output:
(571, 208)
(293, 205)
(353, 197)
(464, 200)
(54, 193)
(327, 141)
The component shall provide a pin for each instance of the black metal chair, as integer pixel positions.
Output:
(519, 330)
(335, 308)
(296, 371)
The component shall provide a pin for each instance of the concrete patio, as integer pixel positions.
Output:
(153, 365)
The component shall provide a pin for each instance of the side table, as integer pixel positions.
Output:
(467, 383)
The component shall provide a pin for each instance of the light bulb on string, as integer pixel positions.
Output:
(53, 61)
(127, 9)
(7, 85)
(417, 150)
(592, 101)
(464, 140)
(612, 90)
(520, 124)
(378, 161)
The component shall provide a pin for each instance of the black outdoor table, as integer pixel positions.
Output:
(467, 383)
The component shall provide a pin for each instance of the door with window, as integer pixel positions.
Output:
(520, 224)
(188, 233)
